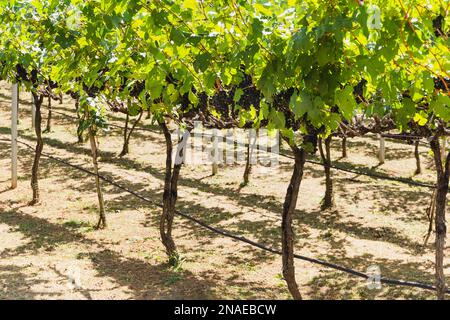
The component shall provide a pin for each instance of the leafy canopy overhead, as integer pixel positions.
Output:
(304, 57)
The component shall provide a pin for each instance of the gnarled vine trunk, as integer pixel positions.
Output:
(287, 233)
(430, 215)
(328, 199)
(248, 160)
(169, 199)
(127, 134)
(77, 108)
(101, 224)
(49, 115)
(417, 156)
(125, 148)
(248, 167)
(344, 147)
(443, 172)
(37, 99)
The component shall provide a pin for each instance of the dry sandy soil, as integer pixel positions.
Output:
(46, 248)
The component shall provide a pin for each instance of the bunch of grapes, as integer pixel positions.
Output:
(358, 91)
(442, 84)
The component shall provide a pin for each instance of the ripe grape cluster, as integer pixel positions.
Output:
(281, 102)
(358, 91)
(437, 25)
(22, 75)
(442, 84)
(223, 101)
(251, 95)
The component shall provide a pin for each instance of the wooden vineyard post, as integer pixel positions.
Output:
(381, 153)
(14, 118)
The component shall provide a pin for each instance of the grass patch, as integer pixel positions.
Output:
(81, 226)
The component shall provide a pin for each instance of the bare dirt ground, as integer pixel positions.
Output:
(45, 247)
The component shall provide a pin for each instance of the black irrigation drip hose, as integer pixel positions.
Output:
(241, 238)
(312, 260)
(372, 175)
(65, 115)
(379, 176)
